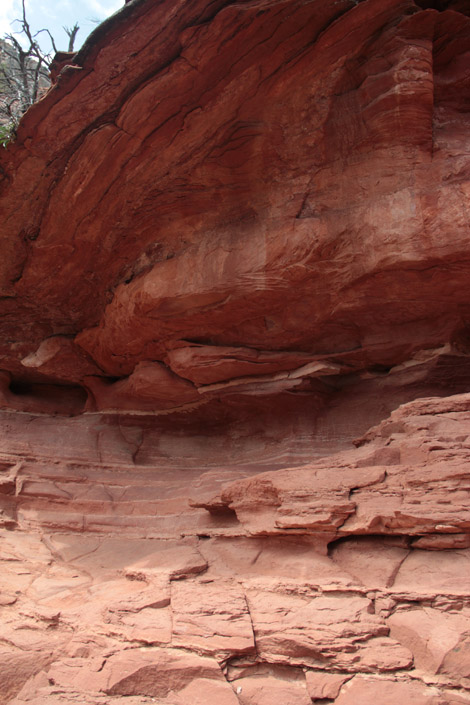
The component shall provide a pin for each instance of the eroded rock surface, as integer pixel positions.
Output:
(235, 361)
(115, 582)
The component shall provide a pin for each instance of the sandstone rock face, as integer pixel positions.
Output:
(235, 361)
(117, 582)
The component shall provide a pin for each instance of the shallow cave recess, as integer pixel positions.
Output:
(44, 398)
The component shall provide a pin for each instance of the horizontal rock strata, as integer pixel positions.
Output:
(113, 586)
(235, 360)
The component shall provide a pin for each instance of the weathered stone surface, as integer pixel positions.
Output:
(17, 667)
(338, 631)
(368, 690)
(433, 636)
(203, 690)
(207, 364)
(324, 685)
(60, 359)
(307, 223)
(211, 618)
(155, 672)
(151, 386)
(349, 499)
(262, 690)
(235, 245)
(332, 602)
(373, 561)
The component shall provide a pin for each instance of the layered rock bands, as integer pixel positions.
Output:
(235, 360)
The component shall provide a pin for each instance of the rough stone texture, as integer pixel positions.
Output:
(113, 586)
(235, 360)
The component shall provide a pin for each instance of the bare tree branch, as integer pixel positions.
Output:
(46, 57)
(24, 68)
(71, 32)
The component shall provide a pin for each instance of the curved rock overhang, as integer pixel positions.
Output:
(235, 240)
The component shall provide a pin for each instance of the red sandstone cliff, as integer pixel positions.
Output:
(235, 241)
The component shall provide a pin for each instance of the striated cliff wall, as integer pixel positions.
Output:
(235, 361)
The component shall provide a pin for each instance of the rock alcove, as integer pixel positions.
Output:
(234, 354)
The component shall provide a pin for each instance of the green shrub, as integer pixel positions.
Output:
(7, 133)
